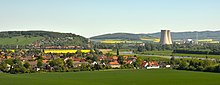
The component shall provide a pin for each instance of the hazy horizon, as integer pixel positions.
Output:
(96, 17)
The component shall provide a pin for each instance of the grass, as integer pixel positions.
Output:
(118, 77)
(20, 40)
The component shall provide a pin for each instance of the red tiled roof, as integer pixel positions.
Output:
(33, 63)
(44, 61)
(114, 63)
(115, 57)
(76, 59)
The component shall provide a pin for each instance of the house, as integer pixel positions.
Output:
(78, 64)
(34, 65)
(114, 64)
(115, 58)
(76, 59)
(129, 62)
(168, 66)
(150, 64)
(94, 63)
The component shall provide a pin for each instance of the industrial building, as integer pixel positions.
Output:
(165, 38)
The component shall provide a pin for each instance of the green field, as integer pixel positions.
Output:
(118, 77)
(168, 53)
(21, 40)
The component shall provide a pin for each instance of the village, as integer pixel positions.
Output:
(62, 60)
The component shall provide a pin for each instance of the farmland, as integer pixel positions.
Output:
(20, 40)
(117, 77)
(64, 51)
(119, 41)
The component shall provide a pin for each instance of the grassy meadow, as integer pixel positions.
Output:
(20, 40)
(116, 77)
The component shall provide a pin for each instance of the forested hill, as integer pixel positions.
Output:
(123, 36)
(41, 37)
(175, 35)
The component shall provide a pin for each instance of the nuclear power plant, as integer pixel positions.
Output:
(165, 38)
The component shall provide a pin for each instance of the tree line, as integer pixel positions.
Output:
(205, 65)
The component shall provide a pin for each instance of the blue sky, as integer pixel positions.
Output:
(95, 17)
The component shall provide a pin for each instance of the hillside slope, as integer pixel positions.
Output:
(122, 36)
(19, 40)
(44, 38)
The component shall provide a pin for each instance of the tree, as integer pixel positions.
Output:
(148, 47)
(183, 65)
(140, 49)
(138, 62)
(120, 60)
(79, 53)
(69, 63)
(9, 61)
(117, 51)
(27, 65)
(3, 67)
(172, 60)
(57, 62)
(207, 63)
(39, 63)
(94, 58)
(39, 58)
(109, 54)
(97, 67)
(83, 67)
(92, 51)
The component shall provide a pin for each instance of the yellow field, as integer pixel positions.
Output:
(65, 51)
(85, 51)
(60, 51)
(151, 39)
(11, 51)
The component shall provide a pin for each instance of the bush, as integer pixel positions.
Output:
(192, 68)
(199, 68)
(217, 68)
(209, 69)
(76, 70)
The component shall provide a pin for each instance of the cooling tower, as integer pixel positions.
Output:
(169, 37)
(165, 37)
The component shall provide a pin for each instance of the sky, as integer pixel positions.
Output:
(95, 17)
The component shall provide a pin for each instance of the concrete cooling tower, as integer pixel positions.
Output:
(165, 38)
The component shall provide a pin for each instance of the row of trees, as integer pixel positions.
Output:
(195, 65)
(207, 52)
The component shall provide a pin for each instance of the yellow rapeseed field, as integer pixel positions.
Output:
(65, 51)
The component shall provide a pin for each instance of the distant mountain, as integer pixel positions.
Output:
(123, 36)
(175, 35)
(45, 38)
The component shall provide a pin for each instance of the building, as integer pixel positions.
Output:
(150, 65)
(114, 64)
(165, 38)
